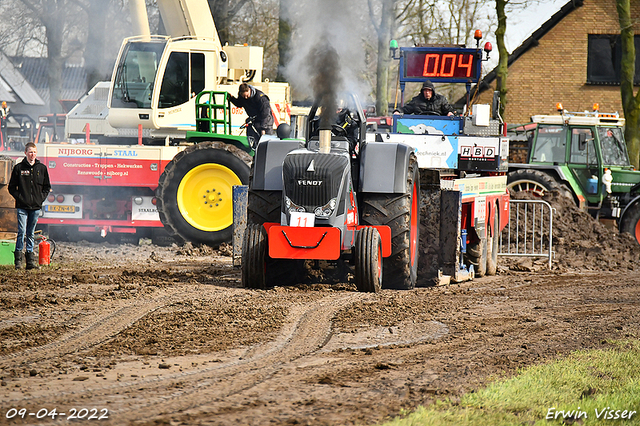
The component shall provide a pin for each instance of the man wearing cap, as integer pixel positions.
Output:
(428, 102)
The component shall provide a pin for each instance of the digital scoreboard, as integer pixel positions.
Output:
(440, 64)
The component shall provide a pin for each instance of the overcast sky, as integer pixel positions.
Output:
(521, 25)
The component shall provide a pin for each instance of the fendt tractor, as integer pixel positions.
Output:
(126, 165)
(337, 197)
(582, 155)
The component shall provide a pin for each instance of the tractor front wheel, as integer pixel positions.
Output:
(254, 257)
(368, 260)
(195, 193)
(265, 206)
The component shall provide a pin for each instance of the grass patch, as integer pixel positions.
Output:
(588, 388)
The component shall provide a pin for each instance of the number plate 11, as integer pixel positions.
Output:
(306, 220)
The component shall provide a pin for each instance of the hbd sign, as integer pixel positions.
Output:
(477, 152)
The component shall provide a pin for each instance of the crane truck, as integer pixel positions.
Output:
(126, 166)
(338, 197)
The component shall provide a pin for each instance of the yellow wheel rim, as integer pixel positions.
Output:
(205, 197)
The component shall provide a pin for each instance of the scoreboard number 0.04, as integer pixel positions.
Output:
(435, 65)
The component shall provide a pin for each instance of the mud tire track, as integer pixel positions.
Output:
(95, 332)
(307, 329)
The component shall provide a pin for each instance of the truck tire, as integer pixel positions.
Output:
(631, 221)
(476, 255)
(493, 244)
(254, 254)
(368, 260)
(401, 212)
(195, 193)
(536, 182)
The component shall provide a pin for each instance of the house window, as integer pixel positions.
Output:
(604, 56)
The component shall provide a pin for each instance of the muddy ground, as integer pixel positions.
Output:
(152, 335)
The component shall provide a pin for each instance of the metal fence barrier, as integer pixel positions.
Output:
(529, 232)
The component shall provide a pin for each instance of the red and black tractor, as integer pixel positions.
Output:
(332, 197)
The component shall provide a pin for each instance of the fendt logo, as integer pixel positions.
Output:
(72, 151)
(305, 182)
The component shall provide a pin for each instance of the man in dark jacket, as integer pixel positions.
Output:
(256, 105)
(428, 102)
(30, 186)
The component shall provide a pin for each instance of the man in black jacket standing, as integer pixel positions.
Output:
(256, 105)
(428, 102)
(30, 186)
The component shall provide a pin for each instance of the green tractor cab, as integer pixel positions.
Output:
(583, 156)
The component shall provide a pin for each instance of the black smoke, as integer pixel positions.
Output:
(327, 55)
(323, 65)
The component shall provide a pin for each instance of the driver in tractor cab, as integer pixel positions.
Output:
(349, 122)
(428, 102)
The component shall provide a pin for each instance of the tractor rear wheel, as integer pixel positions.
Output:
(195, 193)
(631, 221)
(254, 256)
(535, 182)
(401, 212)
(493, 244)
(368, 260)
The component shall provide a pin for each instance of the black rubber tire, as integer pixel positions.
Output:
(493, 244)
(476, 255)
(401, 212)
(254, 254)
(265, 206)
(368, 260)
(202, 154)
(631, 221)
(536, 182)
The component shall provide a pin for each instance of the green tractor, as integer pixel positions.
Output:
(583, 156)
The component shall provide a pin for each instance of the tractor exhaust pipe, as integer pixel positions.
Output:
(325, 141)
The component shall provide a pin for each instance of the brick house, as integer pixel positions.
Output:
(571, 59)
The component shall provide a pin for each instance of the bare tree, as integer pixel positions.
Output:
(60, 20)
(254, 25)
(630, 103)
(384, 26)
(451, 22)
(503, 7)
(503, 58)
(416, 21)
(223, 12)
(19, 32)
